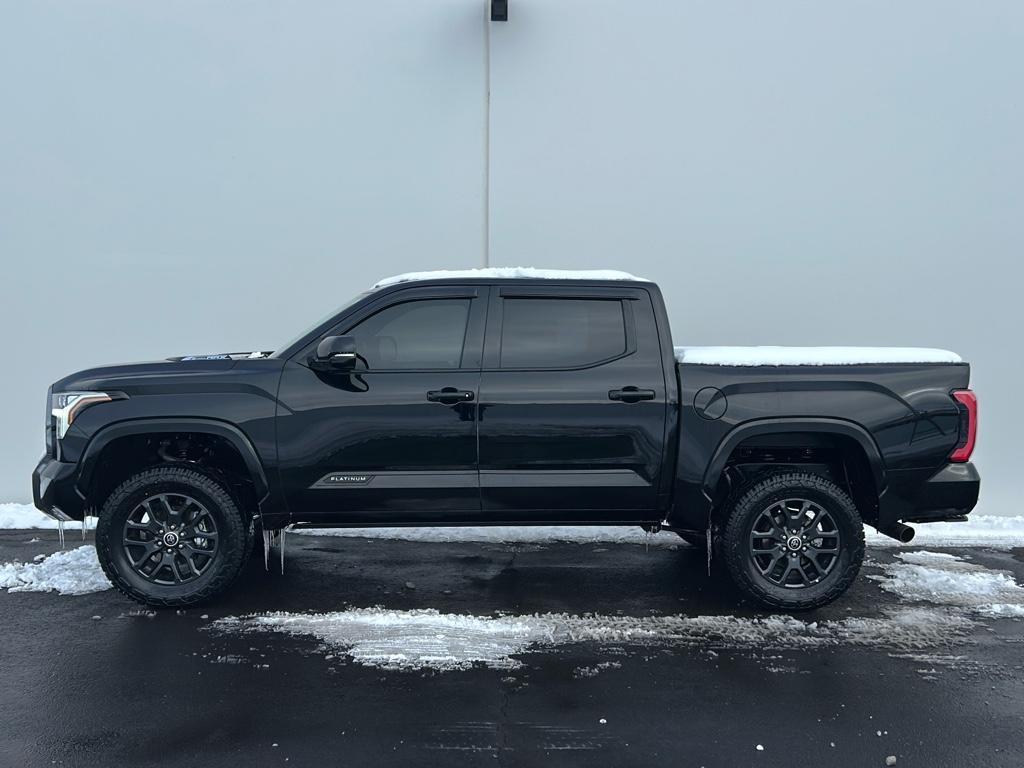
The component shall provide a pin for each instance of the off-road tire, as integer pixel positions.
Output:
(233, 546)
(742, 515)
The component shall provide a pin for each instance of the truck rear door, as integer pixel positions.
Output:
(572, 405)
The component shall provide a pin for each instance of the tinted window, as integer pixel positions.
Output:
(560, 333)
(414, 334)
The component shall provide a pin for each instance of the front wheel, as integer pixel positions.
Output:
(171, 537)
(793, 541)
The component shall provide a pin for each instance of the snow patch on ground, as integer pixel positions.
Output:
(944, 579)
(74, 572)
(23, 516)
(425, 638)
(992, 531)
(748, 356)
(509, 272)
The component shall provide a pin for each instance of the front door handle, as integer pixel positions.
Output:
(450, 395)
(630, 394)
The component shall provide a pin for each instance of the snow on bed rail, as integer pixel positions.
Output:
(749, 356)
(509, 272)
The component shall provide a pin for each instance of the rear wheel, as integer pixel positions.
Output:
(793, 541)
(171, 536)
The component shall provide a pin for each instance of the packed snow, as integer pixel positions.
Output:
(73, 572)
(509, 272)
(991, 531)
(426, 638)
(23, 516)
(945, 579)
(775, 356)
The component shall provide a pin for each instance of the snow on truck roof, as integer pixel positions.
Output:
(748, 356)
(510, 273)
(735, 356)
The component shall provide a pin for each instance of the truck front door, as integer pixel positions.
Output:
(396, 437)
(572, 405)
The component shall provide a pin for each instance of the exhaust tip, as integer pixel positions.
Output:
(900, 532)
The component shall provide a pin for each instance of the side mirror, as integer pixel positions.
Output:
(335, 353)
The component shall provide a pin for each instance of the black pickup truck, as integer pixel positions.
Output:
(479, 399)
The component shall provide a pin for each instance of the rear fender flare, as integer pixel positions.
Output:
(849, 429)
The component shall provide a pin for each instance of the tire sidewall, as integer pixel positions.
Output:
(232, 541)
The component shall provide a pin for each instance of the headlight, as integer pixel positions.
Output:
(65, 406)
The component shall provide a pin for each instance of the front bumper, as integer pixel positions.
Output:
(952, 492)
(54, 491)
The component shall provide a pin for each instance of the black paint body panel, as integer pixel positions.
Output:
(530, 446)
(901, 414)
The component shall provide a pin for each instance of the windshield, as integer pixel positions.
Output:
(309, 329)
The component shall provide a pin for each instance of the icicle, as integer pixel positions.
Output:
(281, 544)
(268, 538)
(60, 532)
(709, 549)
(84, 518)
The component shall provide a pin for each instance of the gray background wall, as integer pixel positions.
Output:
(197, 177)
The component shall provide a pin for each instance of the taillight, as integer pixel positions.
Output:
(968, 405)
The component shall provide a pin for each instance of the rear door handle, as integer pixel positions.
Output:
(450, 395)
(630, 394)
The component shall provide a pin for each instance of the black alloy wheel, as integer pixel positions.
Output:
(170, 538)
(795, 542)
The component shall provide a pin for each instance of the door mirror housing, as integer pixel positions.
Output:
(335, 353)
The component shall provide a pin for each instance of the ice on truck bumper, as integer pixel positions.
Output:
(949, 493)
(53, 489)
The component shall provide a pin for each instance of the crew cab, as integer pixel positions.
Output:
(511, 396)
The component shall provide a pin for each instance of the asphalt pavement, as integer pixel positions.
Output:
(138, 688)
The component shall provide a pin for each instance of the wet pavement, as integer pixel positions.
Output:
(137, 688)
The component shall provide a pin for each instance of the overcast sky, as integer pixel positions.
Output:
(195, 177)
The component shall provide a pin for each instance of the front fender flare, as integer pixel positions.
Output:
(231, 433)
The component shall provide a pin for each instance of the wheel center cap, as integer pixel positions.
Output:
(171, 539)
(794, 543)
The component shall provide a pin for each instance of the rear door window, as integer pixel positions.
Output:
(561, 332)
